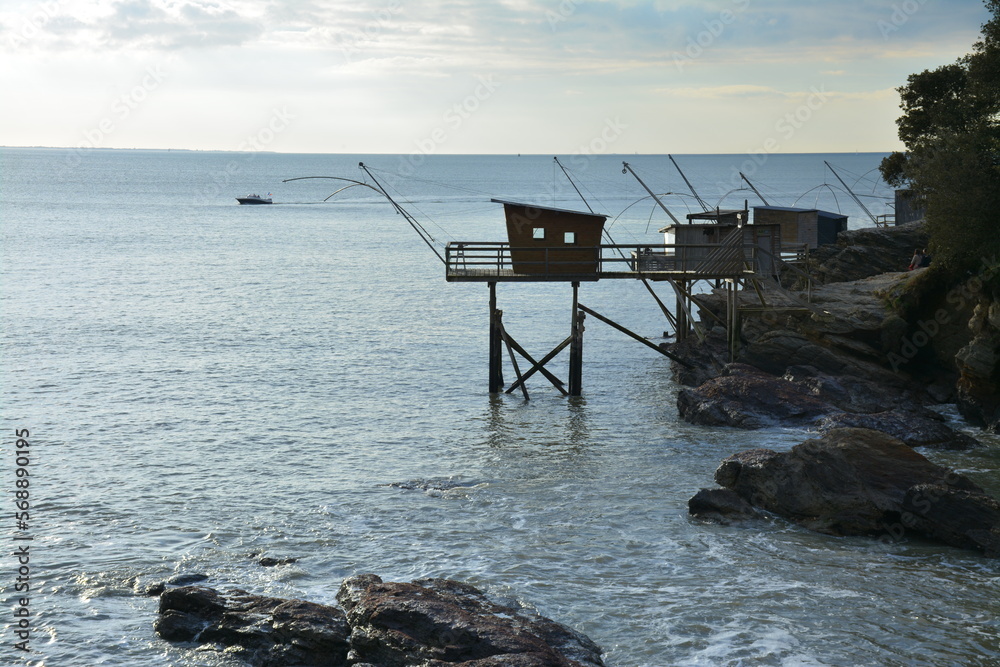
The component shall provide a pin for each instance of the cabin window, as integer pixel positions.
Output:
(569, 238)
(538, 233)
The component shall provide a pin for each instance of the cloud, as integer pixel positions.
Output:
(174, 25)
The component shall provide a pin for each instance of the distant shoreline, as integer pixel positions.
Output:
(223, 150)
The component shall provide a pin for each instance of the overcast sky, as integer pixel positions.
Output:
(458, 76)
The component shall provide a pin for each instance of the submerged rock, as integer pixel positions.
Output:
(427, 623)
(855, 481)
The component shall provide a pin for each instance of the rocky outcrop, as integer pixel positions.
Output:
(850, 352)
(916, 428)
(426, 623)
(857, 481)
(860, 253)
(746, 397)
(265, 632)
(979, 367)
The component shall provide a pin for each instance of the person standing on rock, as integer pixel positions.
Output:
(918, 258)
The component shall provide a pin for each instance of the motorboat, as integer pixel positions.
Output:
(255, 199)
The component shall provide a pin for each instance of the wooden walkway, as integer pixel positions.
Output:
(492, 262)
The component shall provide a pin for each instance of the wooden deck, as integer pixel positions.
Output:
(491, 262)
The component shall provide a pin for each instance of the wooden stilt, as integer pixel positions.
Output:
(681, 310)
(576, 346)
(496, 344)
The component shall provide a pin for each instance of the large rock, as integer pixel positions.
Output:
(915, 428)
(862, 482)
(746, 397)
(427, 623)
(979, 368)
(268, 632)
(443, 622)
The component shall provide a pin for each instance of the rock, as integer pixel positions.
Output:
(186, 579)
(443, 622)
(979, 368)
(721, 506)
(916, 429)
(270, 632)
(959, 517)
(268, 561)
(847, 392)
(430, 623)
(155, 590)
(860, 253)
(856, 481)
(746, 397)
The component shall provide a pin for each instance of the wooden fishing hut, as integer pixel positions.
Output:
(697, 245)
(547, 244)
(802, 229)
(908, 207)
(553, 242)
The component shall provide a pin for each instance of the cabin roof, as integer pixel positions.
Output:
(550, 208)
(826, 214)
(697, 225)
(715, 214)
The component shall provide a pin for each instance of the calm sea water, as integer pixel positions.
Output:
(204, 381)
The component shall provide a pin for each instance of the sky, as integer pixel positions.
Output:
(460, 76)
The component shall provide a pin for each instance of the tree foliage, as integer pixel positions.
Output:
(950, 127)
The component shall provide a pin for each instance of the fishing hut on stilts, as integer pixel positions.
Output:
(548, 244)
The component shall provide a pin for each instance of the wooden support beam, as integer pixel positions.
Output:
(635, 336)
(513, 359)
(576, 346)
(556, 382)
(546, 359)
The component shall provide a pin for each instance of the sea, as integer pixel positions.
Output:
(189, 385)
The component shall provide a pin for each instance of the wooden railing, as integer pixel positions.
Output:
(483, 261)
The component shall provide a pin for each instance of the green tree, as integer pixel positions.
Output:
(951, 130)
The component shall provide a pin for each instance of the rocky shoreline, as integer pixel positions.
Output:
(425, 623)
(862, 365)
